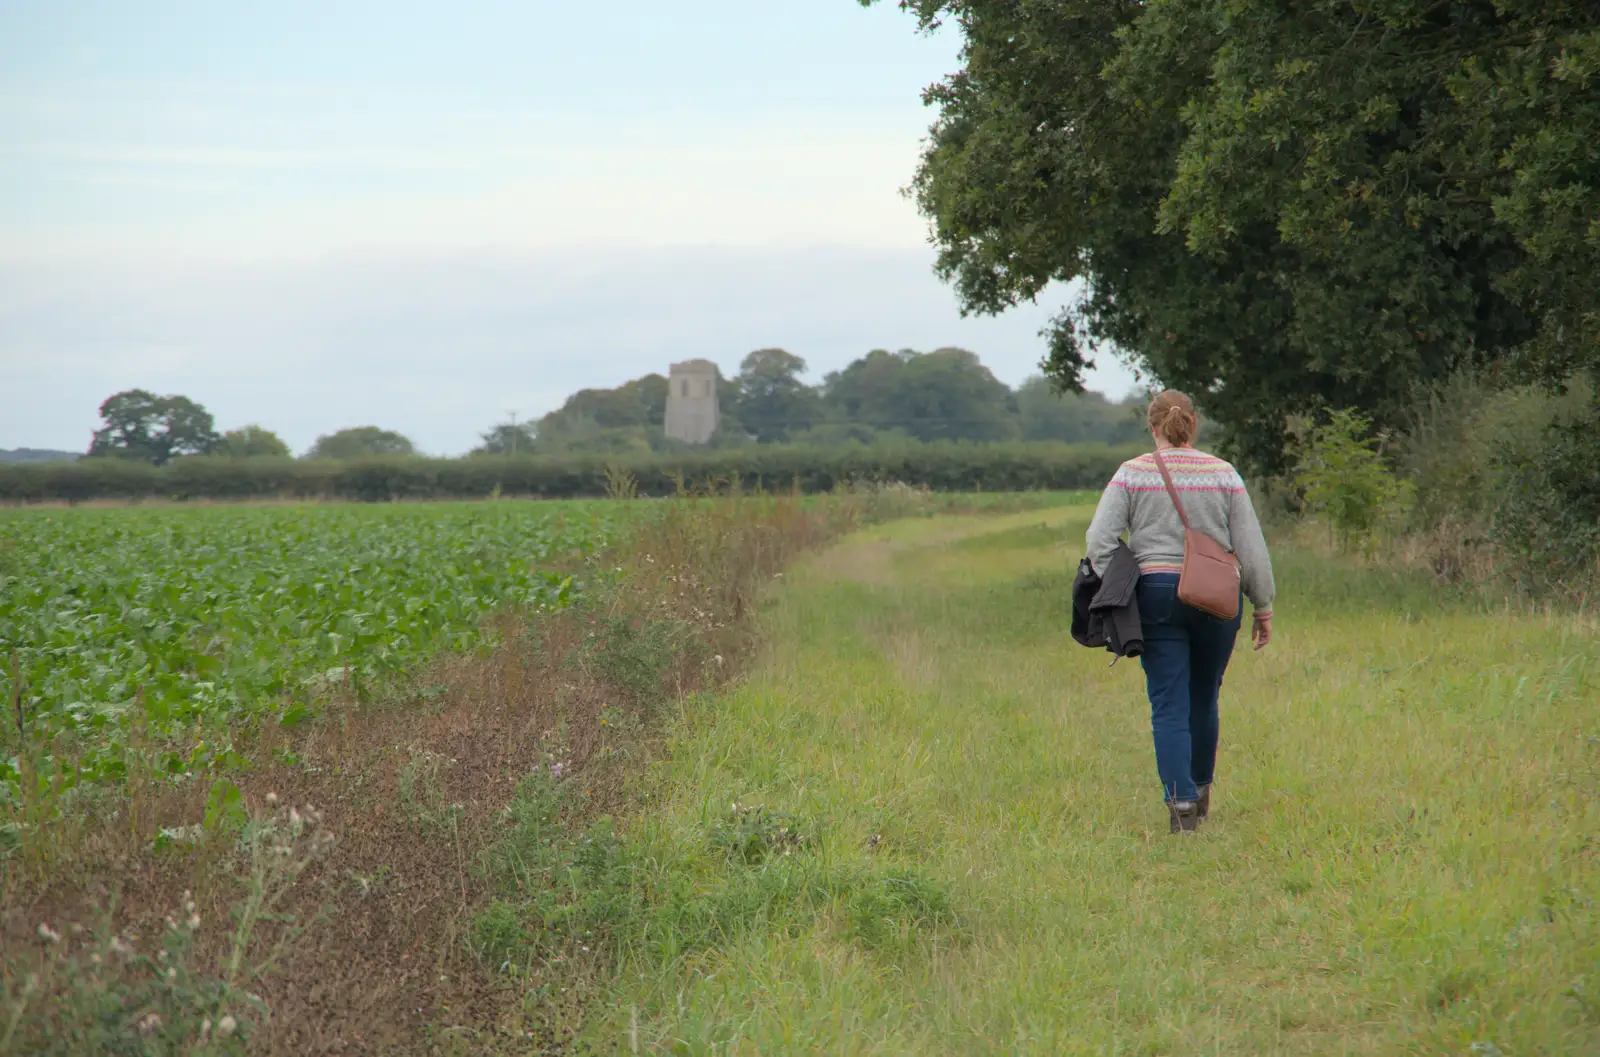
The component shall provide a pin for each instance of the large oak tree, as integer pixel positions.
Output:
(140, 425)
(1278, 204)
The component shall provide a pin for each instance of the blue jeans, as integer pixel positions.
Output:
(1185, 653)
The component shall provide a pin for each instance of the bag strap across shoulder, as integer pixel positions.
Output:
(1172, 490)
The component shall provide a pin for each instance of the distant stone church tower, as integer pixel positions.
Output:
(692, 412)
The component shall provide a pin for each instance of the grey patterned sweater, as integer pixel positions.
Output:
(1214, 495)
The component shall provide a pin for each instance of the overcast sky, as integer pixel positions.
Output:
(313, 215)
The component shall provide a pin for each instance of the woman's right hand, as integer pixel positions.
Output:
(1261, 632)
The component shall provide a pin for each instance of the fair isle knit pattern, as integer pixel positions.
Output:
(1214, 495)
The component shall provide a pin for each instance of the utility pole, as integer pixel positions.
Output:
(513, 432)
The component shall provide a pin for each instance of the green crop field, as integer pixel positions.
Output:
(181, 618)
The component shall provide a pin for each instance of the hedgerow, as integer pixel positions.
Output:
(940, 467)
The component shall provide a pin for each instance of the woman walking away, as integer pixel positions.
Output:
(1186, 649)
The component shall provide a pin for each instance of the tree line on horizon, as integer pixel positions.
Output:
(905, 395)
(901, 396)
(141, 426)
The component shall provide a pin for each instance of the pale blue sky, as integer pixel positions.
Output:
(423, 215)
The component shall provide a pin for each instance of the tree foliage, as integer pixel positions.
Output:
(942, 395)
(947, 394)
(624, 419)
(1078, 418)
(38, 455)
(250, 442)
(142, 426)
(1277, 206)
(359, 443)
(508, 439)
(773, 403)
(584, 433)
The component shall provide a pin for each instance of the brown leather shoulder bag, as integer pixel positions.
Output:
(1210, 578)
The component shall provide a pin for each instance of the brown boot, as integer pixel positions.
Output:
(1203, 801)
(1185, 815)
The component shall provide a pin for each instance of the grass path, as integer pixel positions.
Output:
(1402, 856)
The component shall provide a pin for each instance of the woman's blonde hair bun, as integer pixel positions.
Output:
(1173, 419)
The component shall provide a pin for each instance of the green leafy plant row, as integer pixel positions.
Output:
(164, 620)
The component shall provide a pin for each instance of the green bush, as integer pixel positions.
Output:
(1548, 517)
(942, 467)
(1345, 482)
(1512, 473)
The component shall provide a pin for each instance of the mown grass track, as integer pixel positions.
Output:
(1402, 857)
